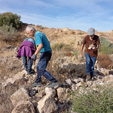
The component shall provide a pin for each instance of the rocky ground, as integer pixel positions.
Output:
(17, 96)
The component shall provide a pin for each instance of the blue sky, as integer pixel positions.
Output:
(74, 14)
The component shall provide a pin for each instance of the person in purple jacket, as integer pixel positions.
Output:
(26, 50)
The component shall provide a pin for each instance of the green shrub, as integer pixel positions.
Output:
(93, 102)
(7, 33)
(106, 47)
(10, 19)
(39, 26)
(62, 46)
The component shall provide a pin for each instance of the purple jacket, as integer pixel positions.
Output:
(26, 49)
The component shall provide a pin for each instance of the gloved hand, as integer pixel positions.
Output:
(33, 57)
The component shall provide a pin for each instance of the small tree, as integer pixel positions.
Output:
(10, 19)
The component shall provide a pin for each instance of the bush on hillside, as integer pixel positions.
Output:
(62, 46)
(93, 102)
(10, 19)
(106, 47)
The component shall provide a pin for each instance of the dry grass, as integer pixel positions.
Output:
(16, 40)
(104, 61)
(3, 44)
(68, 53)
(8, 70)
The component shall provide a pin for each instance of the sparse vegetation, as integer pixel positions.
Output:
(93, 102)
(61, 46)
(10, 38)
(68, 53)
(106, 47)
(76, 53)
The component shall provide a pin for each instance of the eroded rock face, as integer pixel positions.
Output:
(24, 107)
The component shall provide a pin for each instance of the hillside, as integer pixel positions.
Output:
(16, 95)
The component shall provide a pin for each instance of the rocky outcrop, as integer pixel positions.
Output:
(17, 96)
(48, 98)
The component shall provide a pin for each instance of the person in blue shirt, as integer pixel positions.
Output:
(43, 46)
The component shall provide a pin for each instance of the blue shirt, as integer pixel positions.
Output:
(30, 39)
(40, 38)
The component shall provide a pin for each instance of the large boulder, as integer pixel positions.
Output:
(47, 104)
(19, 95)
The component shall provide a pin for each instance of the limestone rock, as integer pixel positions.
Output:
(78, 84)
(66, 29)
(76, 80)
(17, 80)
(47, 105)
(19, 95)
(40, 94)
(68, 81)
(50, 91)
(24, 107)
(61, 92)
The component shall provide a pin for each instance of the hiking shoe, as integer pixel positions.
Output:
(31, 72)
(52, 82)
(35, 84)
(88, 77)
